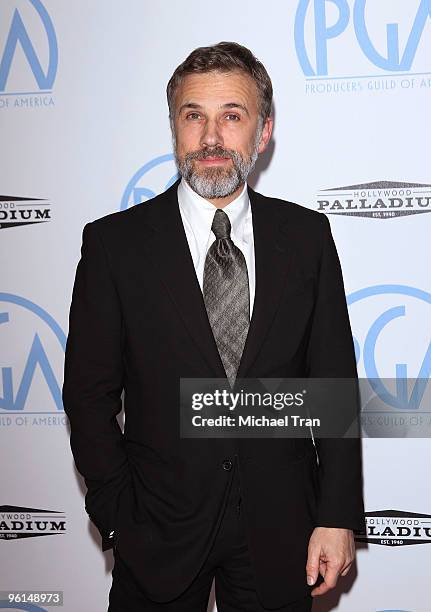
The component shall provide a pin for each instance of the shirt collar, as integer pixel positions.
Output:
(200, 212)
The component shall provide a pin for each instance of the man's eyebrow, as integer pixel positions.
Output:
(195, 106)
(236, 105)
(189, 105)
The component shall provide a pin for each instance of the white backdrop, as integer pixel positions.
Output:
(84, 132)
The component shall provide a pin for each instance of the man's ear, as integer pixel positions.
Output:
(266, 134)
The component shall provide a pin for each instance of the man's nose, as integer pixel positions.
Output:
(211, 136)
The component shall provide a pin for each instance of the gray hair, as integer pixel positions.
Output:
(224, 57)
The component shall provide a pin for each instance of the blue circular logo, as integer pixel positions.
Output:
(152, 178)
(18, 34)
(17, 381)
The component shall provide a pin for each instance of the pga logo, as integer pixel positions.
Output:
(153, 178)
(389, 323)
(317, 22)
(31, 358)
(29, 48)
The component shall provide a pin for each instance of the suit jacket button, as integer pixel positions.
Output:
(227, 464)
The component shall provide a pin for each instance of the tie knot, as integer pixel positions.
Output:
(221, 224)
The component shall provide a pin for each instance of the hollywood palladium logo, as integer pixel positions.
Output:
(17, 522)
(16, 211)
(28, 55)
(376, 200)
(396, 528)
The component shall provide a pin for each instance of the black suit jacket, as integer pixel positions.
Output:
(138, 323)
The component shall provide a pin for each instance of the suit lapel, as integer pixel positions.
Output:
(272, 261)
(165, 242)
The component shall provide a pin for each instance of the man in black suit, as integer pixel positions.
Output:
(210, 280)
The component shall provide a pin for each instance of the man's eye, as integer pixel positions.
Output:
(193, 116)
(232, 117)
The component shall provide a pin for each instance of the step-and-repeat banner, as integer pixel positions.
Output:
(85, 132)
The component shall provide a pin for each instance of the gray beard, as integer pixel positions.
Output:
(212, 183)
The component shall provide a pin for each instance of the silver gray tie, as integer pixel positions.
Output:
(226, 295)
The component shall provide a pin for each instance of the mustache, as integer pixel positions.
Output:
(214, 152)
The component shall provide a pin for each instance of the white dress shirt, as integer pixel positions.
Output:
(197, 215)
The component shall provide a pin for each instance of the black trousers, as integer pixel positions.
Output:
(228, 562)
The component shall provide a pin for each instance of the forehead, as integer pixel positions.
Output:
(217, 88)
